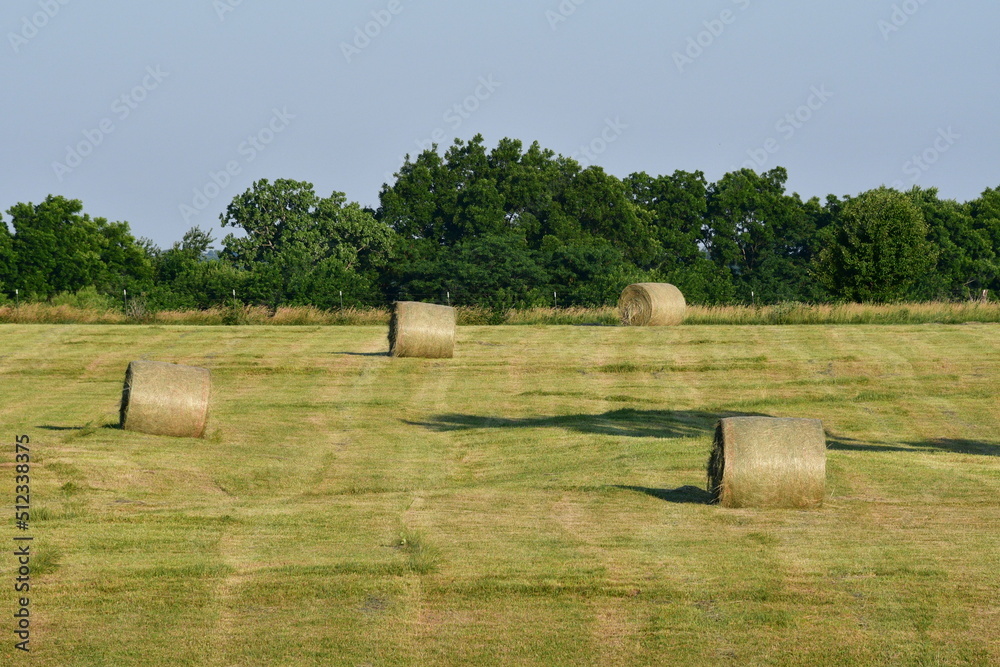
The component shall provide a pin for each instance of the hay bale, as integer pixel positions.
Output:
(165, 399)
(768, 462)
(651, 305)
(422, 330)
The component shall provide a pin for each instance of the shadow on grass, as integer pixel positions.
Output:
(955, 445)
(652, 424)
(364, 354)
(81, 431)
(633, 423)
(691, 495)
(626, 422)
(960, 446)
(841, 443)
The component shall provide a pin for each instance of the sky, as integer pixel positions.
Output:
(159, 113)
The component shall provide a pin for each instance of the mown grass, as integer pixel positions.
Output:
(539, 499)
(784, 313)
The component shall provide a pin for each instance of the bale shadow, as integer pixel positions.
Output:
(626, 422)
(688, 495)
(841, 443)
(86, 429)
(364, 354)
(954, 445)
(960, 446)
(631, 423)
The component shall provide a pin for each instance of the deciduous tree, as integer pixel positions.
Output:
(880, 248)
(293, 237)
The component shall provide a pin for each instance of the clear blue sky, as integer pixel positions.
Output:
(132, 106)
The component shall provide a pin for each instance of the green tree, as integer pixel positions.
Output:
(676, 208)
(532, 203)
(985, 210)
(761, 235)
(967, 257)
(293, 237)
(985, 213)
(7, 274)
(471, 192)
(127, 262)
(494, 271)
(879, 250)
(189, 276)
(592, 274)
(529, 181)
(443, 199)
(56, 249)
(596, 205)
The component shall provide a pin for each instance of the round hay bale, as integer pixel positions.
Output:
(165, 399)
(422, 330)
(651, 305)
(768, 462)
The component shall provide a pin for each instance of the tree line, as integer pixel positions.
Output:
(512, 227)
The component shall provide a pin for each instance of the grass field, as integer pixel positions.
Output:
(539, 499)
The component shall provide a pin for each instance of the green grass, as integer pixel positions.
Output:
(539, 499)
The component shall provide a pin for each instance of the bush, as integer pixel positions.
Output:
(87, 298)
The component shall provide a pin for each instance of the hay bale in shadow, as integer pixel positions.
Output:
(422, 330)
(768, 462)
(165, 399)
(651, 305)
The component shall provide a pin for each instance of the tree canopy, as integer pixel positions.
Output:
(880, 248)
(299, 248)
(56, 248)
(514, 226)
